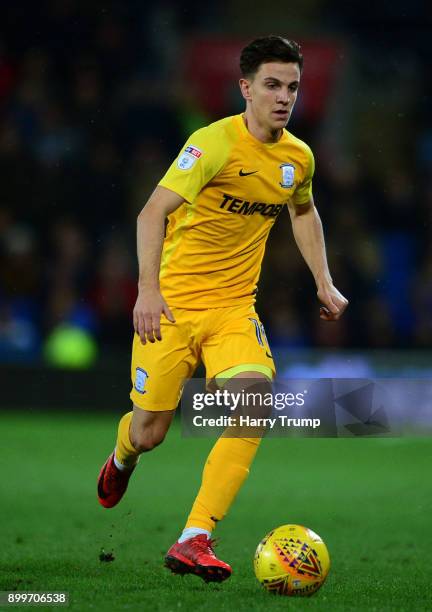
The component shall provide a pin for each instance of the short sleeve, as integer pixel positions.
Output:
(201, 158)
(303, 193)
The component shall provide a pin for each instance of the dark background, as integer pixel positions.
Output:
(97, 98)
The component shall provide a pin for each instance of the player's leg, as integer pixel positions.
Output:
(225, 471)
(236, 355)
(237, 352)
(227, 465)
(139, 431)
(158, 372)
(148, 429)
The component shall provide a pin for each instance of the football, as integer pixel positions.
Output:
(292, 560)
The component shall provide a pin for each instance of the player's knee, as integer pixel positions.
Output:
(148, 429)
(254, 390)
(147, 439)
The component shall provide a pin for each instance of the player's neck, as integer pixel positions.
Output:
(258, 131)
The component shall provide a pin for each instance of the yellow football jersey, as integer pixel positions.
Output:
(234, 187)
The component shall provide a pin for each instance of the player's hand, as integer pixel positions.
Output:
(334, 303)
(149, 308)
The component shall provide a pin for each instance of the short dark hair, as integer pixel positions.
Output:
(269, 49)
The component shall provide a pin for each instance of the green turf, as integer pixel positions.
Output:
(370, 500)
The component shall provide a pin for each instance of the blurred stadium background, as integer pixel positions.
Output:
(97, 98)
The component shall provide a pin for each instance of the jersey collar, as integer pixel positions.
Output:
(245, 132)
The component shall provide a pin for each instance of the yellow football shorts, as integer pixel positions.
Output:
(228, 341)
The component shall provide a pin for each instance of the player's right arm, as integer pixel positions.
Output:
(203, 155)
(150, 304)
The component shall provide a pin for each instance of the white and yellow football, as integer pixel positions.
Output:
(292, 560)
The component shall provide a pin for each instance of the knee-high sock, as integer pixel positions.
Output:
(125, 452)
(225, 470)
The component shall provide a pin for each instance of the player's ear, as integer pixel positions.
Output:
(245, 88)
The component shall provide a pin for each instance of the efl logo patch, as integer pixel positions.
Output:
(189, 157)
(287, 175)
(140, 380)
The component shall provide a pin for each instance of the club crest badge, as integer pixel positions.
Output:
(140, 380)
(188, 158)
(287, 175)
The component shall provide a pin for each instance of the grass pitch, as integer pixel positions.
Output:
(370, 500)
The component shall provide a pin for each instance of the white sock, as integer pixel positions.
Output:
(191, 532)
(121, 467)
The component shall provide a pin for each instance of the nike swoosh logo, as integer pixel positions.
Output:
(241, 173)
(268, 355)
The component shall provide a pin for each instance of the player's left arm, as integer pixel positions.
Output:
(309, 236)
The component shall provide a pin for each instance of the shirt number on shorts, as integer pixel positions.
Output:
(259, 331)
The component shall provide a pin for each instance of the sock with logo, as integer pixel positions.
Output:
(226, 469)
(125, 455)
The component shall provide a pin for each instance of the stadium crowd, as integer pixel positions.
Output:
(93, 110)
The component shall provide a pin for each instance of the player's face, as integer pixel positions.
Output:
(271, 94)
